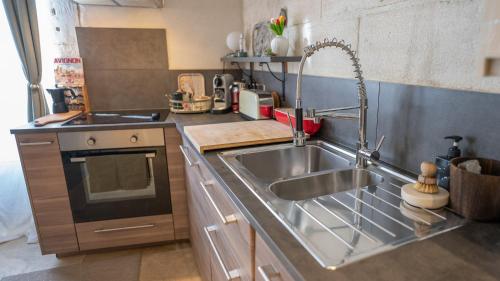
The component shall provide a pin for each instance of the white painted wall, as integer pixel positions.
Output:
(419, 42)
(196, 29)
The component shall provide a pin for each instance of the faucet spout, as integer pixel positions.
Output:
(299, 136)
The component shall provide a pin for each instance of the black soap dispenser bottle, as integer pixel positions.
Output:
(443, 162)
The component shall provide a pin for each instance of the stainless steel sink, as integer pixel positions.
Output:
(313, 186)
(275, 164)
(340, 214)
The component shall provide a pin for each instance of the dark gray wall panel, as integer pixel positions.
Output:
(122, 48)
(127, 68)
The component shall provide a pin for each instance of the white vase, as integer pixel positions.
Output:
(279, 45)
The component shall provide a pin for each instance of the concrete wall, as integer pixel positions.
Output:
(419, 42)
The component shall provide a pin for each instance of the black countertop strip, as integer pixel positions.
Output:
(58, 127)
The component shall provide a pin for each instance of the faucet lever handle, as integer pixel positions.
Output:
(290, 123)
(380, 142)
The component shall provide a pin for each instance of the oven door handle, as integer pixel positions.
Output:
(77, 159)
(83, 159)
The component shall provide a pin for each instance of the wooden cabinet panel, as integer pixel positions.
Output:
(197, 221)
(42, 165)
(230, 237)
(267, 265)
(124, 232)
(44, 174)
(235, 233)
(225, 264)
(177, 183)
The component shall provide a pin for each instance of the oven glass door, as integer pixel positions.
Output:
(119, 183)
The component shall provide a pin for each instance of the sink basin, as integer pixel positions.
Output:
(323, 184)
(272, 165)
(338, 213)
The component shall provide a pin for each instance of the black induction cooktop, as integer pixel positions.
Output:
(118, 117)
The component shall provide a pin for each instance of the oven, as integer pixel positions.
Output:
(116, 174)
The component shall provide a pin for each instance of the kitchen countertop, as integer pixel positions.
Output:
(57, 127)
(471, 252)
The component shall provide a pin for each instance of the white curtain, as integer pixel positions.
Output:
(23, 22)
(15, 213)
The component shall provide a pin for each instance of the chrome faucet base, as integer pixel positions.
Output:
(299, 138)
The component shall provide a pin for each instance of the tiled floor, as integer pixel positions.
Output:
(172, 262)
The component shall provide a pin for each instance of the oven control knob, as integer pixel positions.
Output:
(134, 139)
(91, 141)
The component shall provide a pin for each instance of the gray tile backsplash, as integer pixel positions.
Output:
(414, 119)
(127, 68)
(122, 48)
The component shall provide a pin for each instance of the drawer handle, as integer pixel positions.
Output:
(230, 275)
(36, 143)
(225, 219)
(123, 228)
(191, 164)
(267, 272)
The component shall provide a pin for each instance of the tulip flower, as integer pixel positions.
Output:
(277, 25)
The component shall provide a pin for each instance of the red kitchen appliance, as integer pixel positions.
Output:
(310, 125)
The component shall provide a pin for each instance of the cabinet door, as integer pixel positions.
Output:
(225, 265)
(124, 232)
(196, 221)
(44, 174)
(267, 265)
(177, 183)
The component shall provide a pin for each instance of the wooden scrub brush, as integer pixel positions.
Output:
(425, 193)
(427, 182)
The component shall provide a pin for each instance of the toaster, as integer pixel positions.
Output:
(254, 102)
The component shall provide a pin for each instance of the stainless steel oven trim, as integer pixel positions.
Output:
(111, 139)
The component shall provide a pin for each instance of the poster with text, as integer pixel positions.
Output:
(68, 72)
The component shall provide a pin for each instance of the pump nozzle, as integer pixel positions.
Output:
(454, 151)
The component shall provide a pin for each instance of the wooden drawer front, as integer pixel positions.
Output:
(177, 183)
(196, 198)
(199, 242)
(42, 164)
(123, 232)
(221, 213)
(231, 235)
(224, 263)
(267, 265)
(219, 206)
(48, 192)
(232, 228)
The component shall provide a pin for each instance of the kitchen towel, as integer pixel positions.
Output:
(132, 171)
(102, 174)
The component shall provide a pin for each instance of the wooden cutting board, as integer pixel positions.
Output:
(237, 134)
(56, 117)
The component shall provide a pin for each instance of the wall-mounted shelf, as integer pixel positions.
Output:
(266, 61)
(261, 59)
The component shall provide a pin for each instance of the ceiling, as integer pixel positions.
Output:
(124, 3)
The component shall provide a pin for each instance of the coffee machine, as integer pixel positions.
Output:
(58, 98)
(222, 93)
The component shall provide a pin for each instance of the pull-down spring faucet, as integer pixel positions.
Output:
(362, 153)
